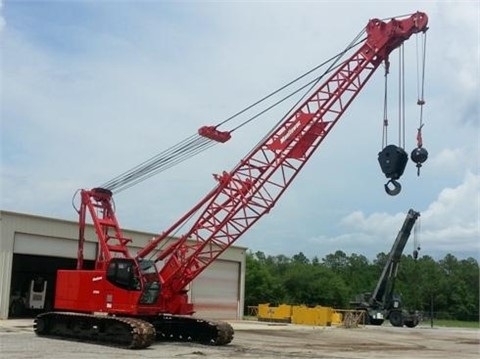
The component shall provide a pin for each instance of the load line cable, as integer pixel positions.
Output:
(196, 143)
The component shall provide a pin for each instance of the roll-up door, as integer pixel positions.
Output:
(51, 246)
(215, 293)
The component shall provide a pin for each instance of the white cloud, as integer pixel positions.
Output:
(454, 160)
(465, 68)
(458, 207)
(76, 117)
(450, 224)
(374, 223)
(2, 18)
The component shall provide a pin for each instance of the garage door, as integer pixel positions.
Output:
(215, 293)
(50, 246)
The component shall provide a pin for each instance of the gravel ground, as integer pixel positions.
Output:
(261, 340)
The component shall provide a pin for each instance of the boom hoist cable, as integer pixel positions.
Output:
(209, 136)
(391, 156)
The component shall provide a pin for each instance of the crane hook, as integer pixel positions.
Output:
(397, 187)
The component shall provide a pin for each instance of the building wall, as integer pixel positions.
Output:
(36, 235)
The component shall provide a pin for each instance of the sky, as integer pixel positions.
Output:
(90, 89)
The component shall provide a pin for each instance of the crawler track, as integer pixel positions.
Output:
(129, 333)
(182, 328)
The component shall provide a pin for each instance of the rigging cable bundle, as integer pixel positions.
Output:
(393, 158)
(209, 136)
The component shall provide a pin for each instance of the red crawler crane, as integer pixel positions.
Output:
(141, 298)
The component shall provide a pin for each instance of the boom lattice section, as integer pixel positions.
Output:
(250, 190)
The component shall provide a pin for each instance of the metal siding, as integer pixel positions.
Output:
(5, 278)
(50, 246)
(216, 293)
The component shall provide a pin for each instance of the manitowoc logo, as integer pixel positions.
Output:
(96, 279)
(289, 133)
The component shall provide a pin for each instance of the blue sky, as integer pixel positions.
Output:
(91, 89)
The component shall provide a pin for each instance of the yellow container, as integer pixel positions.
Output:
(302, 315)
(337, 318)
(324, 316)
(282, 313)
(321, 316)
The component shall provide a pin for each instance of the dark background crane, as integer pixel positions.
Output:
(383, 303)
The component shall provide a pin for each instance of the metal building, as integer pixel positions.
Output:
(32, 246)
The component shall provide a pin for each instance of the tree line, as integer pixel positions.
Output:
(448, 286)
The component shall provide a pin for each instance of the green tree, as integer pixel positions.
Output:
(408, 284)
(309, 285)
(337, 262)
(260, 285)
(452, 284)
(459, 278)
(433, 284)
(300, 258)
(469, 270)
(360, 275)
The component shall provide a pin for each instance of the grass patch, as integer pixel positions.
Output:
(453, 323)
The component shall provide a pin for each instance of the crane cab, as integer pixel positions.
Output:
(126, 287)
